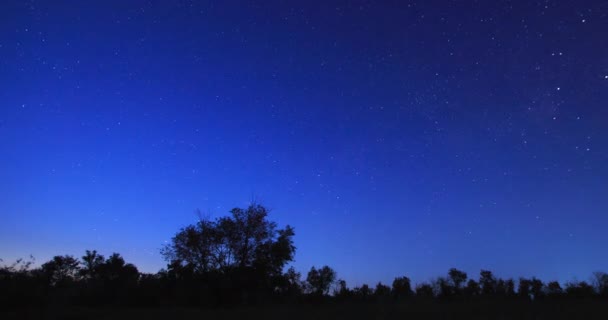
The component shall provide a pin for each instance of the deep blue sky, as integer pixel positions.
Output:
(398, 138)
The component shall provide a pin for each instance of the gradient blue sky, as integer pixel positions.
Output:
(398, 138)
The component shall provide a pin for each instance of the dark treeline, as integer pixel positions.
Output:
(241, 260)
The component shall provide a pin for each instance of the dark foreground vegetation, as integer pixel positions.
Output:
(234, 267)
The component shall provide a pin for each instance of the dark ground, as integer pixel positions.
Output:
(579, 310)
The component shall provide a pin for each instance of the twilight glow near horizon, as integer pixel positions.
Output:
(397, 138)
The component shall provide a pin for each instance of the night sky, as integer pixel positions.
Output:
(398, 138)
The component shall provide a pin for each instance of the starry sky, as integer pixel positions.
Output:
(397, 137)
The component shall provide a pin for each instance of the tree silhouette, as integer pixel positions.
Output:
(505, 287)
(115, 269)
(442, 288)
(363, 293)
(536, 287)
(61, 269)
(233, 259)
(342, 291)
(246, 239)
(600, 282)
(293, 282)
(487, 282)
(554, 289)
(579, 290)
(424, 291)
(239, 259)
(525, 288)
(320, 280)
(95, 281)
(382, 292)
(402, 287)
(457, 277)
(472, 288)
(91, 263)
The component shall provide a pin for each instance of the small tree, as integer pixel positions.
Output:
(342, 290)
(600, 282)
(536, 287)
(382, 292)
(61, 269)
(294, 285)
(457, 277)
(363, 292)
(320, 280)
(524, 289)
(510, 288)
(442, 287)
(402, 287)
(554, 289)
(91, 262)
(579, 290)
(472, 288)
(115, 269)
(487, 282)
(424, 290)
